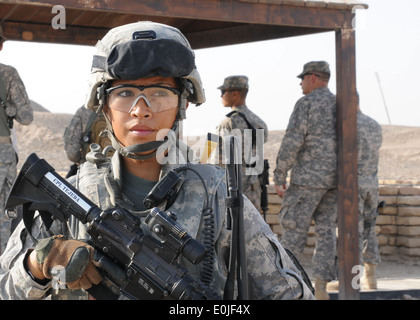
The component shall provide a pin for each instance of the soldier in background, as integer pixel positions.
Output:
(85, 127)
(369, 141)
(309, 150)
(233, 93)
(15, 105)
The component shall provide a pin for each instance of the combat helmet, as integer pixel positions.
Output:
(140, 50)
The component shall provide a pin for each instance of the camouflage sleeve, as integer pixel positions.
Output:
(73, 137)
(17, 97)
(369, 141)
(257, 122)
(272, 272)
(292, 142)
(15, 281)
(225, 127)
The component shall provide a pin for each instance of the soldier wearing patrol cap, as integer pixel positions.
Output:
(233, 93)
(309, 150)
(14, 105)
(143, 104)
(235, 83)
(318, 68)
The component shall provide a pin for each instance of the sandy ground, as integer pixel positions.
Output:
(399, 158)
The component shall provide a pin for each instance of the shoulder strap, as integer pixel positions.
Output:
(230, 114)
(250, 126)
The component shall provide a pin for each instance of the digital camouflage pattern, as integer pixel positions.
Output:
(17, 100)
(300, 206)
(309, 146)
(309, 150)
(235, 125)
(79, 135)
(272, 273)
(234, 83)
(74, 134)
(369, 141)
(315, 66)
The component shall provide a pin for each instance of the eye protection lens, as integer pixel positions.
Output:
(158, 98)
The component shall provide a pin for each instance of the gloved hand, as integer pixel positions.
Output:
(55, 253)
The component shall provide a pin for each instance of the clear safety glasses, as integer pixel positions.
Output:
(125, 97)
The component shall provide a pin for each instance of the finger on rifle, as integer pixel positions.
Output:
(106, 264)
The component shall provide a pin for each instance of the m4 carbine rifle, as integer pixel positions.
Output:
(148, 261)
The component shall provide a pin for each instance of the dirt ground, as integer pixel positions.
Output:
(399, 155)
(389, 268)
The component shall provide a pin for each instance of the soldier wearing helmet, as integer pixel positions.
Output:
(143, 77)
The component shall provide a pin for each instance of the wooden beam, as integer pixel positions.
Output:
(45, 33)
(244, 34)
(216, 10)
(348, 235)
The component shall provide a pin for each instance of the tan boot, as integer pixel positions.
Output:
(368, 281)
(321, 290)
(333, 286)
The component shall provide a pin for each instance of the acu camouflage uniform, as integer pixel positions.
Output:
(272, 273)
(77, 135)
(234, 124)
(369, 141)
(309, 150)
(14, 95)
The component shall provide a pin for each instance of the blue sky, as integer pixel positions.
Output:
(387, 45)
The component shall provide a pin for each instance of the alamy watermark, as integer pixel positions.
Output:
(355, 281)
(249, 150)
(58, 21)
(58, 273)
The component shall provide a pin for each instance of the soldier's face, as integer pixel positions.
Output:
(227, 98)
(141, 124)
(306, 84)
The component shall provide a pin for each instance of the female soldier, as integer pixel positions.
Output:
(143, 76)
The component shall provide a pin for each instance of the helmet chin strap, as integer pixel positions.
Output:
(134, 150)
